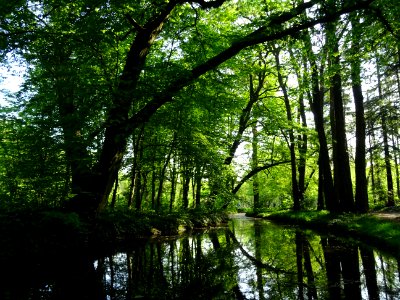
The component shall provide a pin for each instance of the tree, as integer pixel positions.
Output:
(147, 74)
(361, 196)
(341, 162)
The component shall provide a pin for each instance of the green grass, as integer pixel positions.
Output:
(366, 227)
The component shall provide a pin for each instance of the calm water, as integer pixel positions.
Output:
(250, 259)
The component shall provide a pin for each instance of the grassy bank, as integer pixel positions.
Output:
(369, 228)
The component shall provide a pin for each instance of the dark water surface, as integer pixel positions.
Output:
(249, 259)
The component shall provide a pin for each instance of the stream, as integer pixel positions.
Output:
(248, 259)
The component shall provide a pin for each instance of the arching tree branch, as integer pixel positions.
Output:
(255, 171)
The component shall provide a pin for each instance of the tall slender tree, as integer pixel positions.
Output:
(361, 196)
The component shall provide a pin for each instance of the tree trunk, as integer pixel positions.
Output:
(153, 186)
(162, 174)
(320, 200)
(254, 162)
(342, 183)
(383, 113)
(389, 177)
(361, 197)
(173, 186)
(295, 187)
(137, 157)
(137, 191)
(245, 116)
(198, 179)
(372, 171)
(302, 138)
(114, 196)
(396, 163)
(317, 108)
(185, 188)
(302, 146)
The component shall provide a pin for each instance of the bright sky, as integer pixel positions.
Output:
(11, 78)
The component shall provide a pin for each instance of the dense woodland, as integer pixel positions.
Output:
(167, 105)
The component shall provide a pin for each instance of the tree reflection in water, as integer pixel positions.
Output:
(251, 259)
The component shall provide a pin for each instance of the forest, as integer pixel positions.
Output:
(170, 105)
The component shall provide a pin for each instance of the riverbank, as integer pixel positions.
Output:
(380, 229)
(39, 232)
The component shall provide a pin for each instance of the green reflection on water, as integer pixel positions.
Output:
(250, 259)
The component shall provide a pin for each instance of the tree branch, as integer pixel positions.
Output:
(255, 171)
(132, 21)
(261, 35)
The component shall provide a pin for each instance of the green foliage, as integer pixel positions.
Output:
(79, 85)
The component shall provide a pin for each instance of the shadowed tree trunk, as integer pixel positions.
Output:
(361, 197)
(317, 108)
(173, 185)
(342, 175)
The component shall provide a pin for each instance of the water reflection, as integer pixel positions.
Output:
(248, 260)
